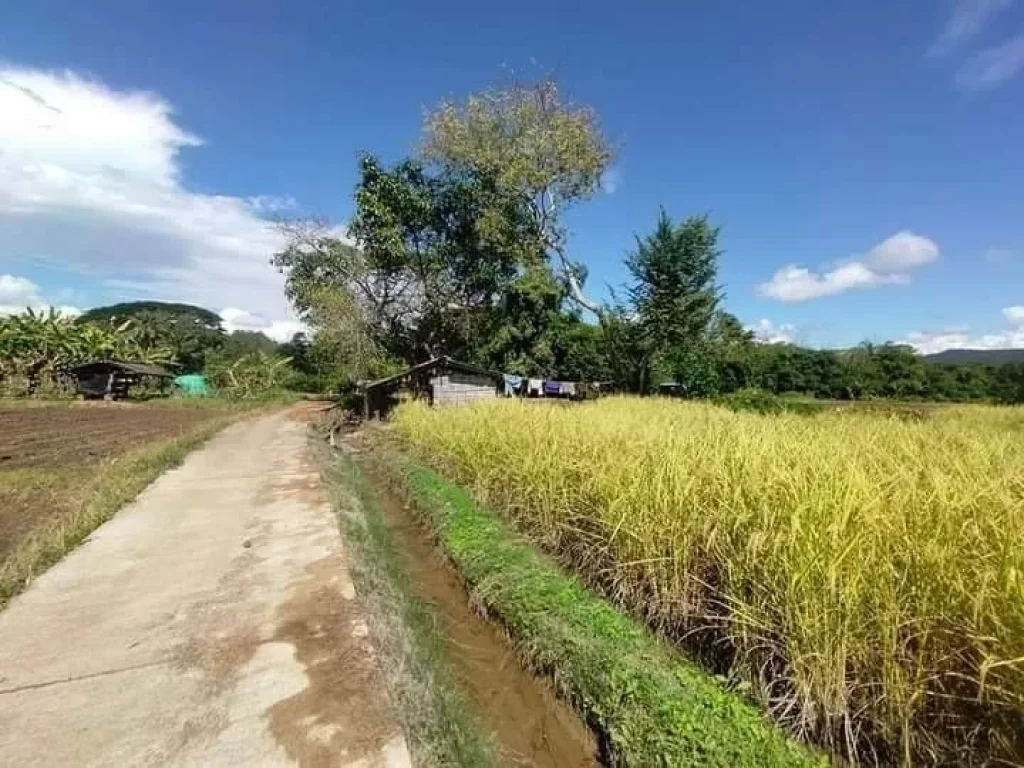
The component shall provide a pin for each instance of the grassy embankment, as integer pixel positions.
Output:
(649, 706)
(435, 716)
(860, 576)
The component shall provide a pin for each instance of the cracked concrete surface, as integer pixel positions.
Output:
(211, 622)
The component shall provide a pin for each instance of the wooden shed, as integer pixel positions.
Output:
(439, 381)
(111, 379)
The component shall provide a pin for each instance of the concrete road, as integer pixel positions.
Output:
(212, 622)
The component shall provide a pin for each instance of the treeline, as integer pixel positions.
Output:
(38, 349)
(461, 249)
(871, 371)
(864, 372)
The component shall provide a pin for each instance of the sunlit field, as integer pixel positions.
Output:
(861, 575)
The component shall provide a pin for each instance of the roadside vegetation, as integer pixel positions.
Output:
(38, 350)
(859, 575)
(648, 705)
(436, 718)
(62, 478)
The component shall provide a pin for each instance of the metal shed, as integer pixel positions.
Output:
(111, 379)
(440, 381)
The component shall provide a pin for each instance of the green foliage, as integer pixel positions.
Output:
(673, 291)
(252, 376)
(864, 372)
(38, 348)
(759, 401)
(535, 147)
(449, 263)
(238, 343)
(103, 315)
(652, 706)
(579, 350)
(671, 328)
(189, 332)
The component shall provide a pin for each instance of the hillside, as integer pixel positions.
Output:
(979, 356)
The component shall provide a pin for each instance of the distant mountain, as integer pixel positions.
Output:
(979, 356)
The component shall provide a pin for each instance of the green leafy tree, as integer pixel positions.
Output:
(190, 333)
(251, 376)
(37, 349)
(238, 343)
(674, 300)
(535, 146)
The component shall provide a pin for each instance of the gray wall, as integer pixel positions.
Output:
(458, 388)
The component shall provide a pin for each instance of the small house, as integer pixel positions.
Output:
(439, 381)
(111, 379)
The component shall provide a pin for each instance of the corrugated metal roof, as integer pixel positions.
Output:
(435, 362)
(140, 369)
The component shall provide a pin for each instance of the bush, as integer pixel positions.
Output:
(760, 401)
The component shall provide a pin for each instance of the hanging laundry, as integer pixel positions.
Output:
(512, 384)
(535, 387)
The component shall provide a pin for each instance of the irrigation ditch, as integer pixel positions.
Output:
(543, 671)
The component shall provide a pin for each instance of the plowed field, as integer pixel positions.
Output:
(49, 456)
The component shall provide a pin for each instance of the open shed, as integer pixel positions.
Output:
(440, 381)
(111, 379)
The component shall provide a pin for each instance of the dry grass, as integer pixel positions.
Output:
(863, 575)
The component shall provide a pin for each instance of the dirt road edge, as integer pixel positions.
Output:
(439, 728)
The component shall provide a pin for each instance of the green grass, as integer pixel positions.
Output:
(651, 706)
(114, 485)
(439, 727)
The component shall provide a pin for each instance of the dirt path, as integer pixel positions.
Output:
(209, 623)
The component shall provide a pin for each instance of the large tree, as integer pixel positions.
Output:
(674, 305)
(191, 333)
(534, 145)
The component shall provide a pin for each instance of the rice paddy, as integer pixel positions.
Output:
(859, 575)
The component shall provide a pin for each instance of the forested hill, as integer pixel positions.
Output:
(977, 356)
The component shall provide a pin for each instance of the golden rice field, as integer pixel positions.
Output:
(862, 575)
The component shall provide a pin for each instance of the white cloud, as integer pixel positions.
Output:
(273, 203)
(234, 319)
(888, 262)
(610, 181)
(1014, 315)
(767, 332)
(993, 66)
(999, 255)
(19, 293)
(929, 342)
(966, 21)
(901, 252)
(92, 182)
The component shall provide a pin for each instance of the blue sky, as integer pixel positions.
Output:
(864, 159)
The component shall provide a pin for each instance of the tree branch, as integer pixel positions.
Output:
(575, 291)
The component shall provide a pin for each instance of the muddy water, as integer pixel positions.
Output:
(529, 724)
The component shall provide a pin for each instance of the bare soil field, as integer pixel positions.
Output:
(49, 456)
